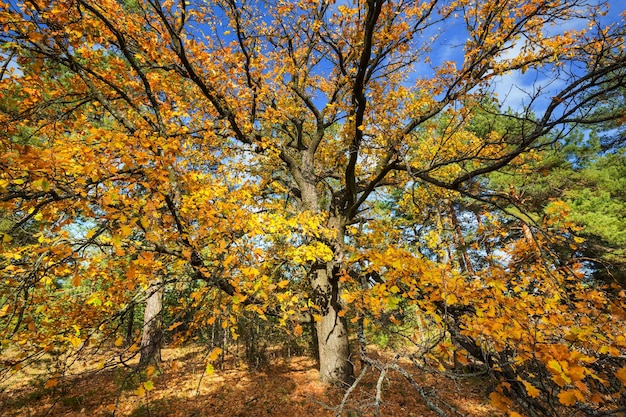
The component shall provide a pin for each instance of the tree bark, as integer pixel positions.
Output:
(332, 328)
(130, 324)
(152, 332)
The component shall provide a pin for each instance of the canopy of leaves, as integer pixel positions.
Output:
(317, 162)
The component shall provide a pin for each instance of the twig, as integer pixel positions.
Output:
(350, 389)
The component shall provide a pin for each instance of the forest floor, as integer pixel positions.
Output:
(182, 387)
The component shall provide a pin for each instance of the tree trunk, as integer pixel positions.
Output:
(332, 329)
(151, 335)
(314, 346)
(130, 325)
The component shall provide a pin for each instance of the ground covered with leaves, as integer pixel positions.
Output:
(184, 386)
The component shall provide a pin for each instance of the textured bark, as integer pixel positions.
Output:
(130, 324)
(314, 346)
(152, 332)
(332, 329)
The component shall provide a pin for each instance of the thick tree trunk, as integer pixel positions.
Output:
(332, 329)
(151, 335)
(314, 346)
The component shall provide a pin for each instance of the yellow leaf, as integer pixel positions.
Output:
(148, 385)
(119, 341)
(214, 354)
(126, 230)
(451, 299)
(117, 245)
(283, 283)
(209, 369)
(554, 367)
(531, 389)
(297, 331)
(140, 391)
(75, 341)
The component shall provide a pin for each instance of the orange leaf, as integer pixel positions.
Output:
(51, 383)
(621, 374)
(531, 389)
(499, 401)
(570, 397)
(577, 373)
(175, 325)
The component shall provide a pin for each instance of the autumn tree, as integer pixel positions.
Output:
(250, 145)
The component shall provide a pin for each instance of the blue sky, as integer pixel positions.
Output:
(513, 89)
